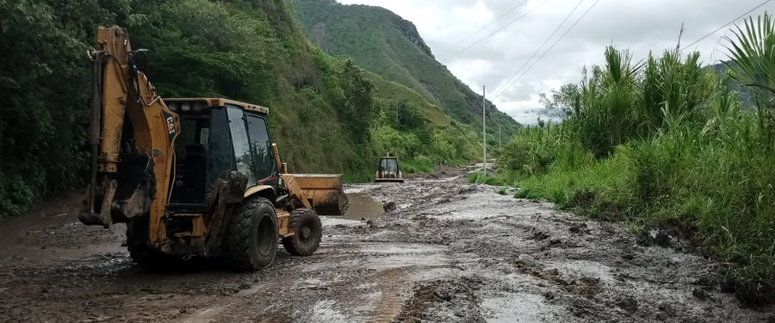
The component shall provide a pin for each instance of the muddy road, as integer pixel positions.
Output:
(444, 251)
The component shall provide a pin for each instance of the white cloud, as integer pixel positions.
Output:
(640, 25)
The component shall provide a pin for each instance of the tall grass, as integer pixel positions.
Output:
(664, 141)
(495, 180)
(422, 165)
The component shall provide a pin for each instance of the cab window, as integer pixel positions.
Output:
(220, 148)
(389, 165)
(239, 137)
(261, 146)
(191, 159)
(194, 130)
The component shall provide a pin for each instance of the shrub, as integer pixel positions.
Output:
(666, 142)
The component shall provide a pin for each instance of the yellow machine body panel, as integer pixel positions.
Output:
(126, 94)
(154, 134)
(216, 102)
(155, 126)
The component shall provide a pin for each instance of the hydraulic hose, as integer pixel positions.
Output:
(95, 124)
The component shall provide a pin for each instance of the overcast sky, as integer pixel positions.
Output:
(639, 25)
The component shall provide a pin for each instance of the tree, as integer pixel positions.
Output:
(561, 103)
(44, 75)
(753, 52)
(358, 109)
(541, 122)
(404, 115)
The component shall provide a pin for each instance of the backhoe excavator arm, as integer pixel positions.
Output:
(132, 134)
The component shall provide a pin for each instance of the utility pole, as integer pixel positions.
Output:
(484, 132)
(500, 144)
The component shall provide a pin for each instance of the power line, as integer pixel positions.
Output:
(542, 45)
(495, 32)
(503, 90)
(488, 25)
(547, 51)
(727, 24)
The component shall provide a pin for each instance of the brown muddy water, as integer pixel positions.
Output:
(363, 207)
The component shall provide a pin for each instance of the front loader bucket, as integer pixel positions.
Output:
(324, 192)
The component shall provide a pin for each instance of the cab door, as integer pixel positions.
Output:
(264, 164)
(243, 158)
(252, 147)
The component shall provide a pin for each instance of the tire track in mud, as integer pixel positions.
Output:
(393, 287)
(443, 300)
(544, 266)
(444, 251)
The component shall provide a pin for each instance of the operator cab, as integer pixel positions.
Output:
(389, 170)
(218, 136)
(388, 167)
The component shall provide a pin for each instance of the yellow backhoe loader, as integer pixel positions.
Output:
(193, 176)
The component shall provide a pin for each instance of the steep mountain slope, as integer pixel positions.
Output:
(386, 44)
(326, 114)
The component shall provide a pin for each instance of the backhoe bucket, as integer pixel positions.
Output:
(324, 192)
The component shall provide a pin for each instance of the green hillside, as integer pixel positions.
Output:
(327, 114)
(386, 44)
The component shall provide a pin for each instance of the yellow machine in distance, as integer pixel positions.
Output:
(194, 176)
(389, 171)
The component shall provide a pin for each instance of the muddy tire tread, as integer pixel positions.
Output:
(237, 238)
(292, 244)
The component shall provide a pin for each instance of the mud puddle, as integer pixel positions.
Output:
(363, 207)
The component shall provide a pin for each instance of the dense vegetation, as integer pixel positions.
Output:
(327, 114)
(384, 43)
(663, 144)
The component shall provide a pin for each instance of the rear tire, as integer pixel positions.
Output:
(308, 231)
(250, 241)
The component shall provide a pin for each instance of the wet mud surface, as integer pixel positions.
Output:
(443, 251)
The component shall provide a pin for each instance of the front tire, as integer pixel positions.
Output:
(250, 241)
(308, 231)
